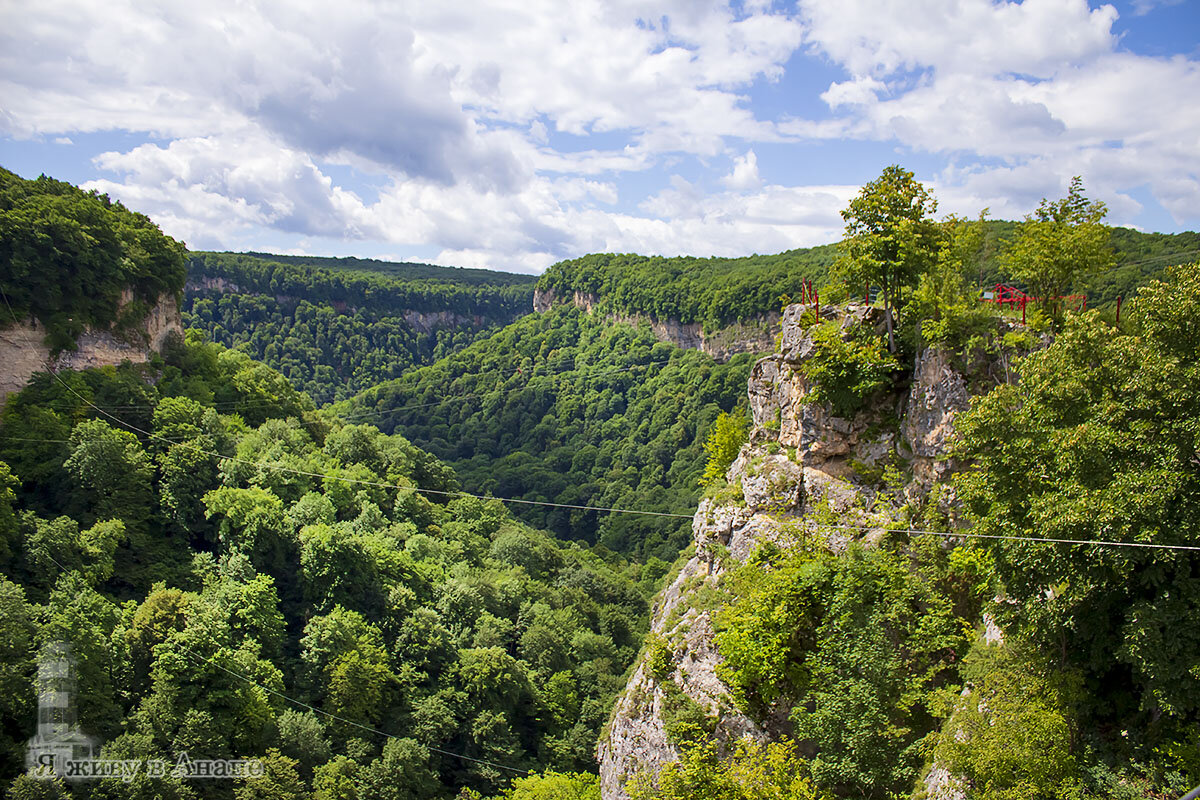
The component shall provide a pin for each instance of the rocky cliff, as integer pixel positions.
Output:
(23, 351)
(802, 462)
(756, 335)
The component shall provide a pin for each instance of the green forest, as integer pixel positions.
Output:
(567, 408)
(67, 255)
(397, 561)
(238, 576)
(335, 332)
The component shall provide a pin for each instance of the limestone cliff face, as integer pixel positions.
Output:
(801, 458)
(756, 335)
(23, 351)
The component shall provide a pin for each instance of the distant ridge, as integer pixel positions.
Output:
(406, 270)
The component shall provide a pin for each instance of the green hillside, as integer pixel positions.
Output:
(335, 333)
(567, 408)
(400, 270)
(195, 534)
(66, 256)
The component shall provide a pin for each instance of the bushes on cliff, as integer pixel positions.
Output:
(66, 255)
(859, 646)
(1098, 442)
(847, 367)
(724, 442)
(751, 771)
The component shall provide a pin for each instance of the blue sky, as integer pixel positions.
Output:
(514, 134)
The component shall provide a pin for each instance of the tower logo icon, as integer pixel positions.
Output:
(59, 742)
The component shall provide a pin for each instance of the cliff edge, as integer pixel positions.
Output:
(23, 350)
(802, 463)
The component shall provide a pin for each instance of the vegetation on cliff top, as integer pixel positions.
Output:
(67, 255)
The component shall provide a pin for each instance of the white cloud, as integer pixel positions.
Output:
(511, 133)
(745, 173)
(1025, 94)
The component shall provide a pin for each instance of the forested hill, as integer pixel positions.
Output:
(569, 408)
(68, 256)
(401, 270)
(336, 331)
(710, 291)
(237, 577)
(428, 288)
(716, 292)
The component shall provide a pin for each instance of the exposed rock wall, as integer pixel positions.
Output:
(428, 321)
(756, 335)
(23, 351)
(800, 459)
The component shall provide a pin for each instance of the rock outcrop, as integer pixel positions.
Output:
(23, 350)
(755, 335)
(802, 463)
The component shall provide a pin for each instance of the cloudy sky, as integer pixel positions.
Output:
(515, 133)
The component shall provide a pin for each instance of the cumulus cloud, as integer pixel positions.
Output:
(512, 134)
(1025, 94)
(745, 173)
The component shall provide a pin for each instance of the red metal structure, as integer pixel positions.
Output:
(1015, 298)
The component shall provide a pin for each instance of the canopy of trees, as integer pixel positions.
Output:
(711, 291)
(242, 551)
(66, 256)
(567, 408)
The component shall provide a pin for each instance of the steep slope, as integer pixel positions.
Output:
(802, 470)
(85, 281)
(569, 408)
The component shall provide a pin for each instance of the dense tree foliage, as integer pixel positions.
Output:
(1098, 441)
(400, 270)
(712, 291)
(891, 238)
(212, 547)
(67, 255)
(335, 333)
(328, 354)
(751, 771)
(1062, 244)
(566, 408)
(500, 297)
(859, 646)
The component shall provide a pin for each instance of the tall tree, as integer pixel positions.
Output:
(1061, 243)
(891, 237)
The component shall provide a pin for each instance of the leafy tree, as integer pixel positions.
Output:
(858, 646)
(771, 771)
(551, 785)
(724, 442)
(280, 781)
(944, 308)
(9, 526)
(17, 709)
(848, 366)
(1097, 443)
(891, 238)
(1010, 737)
(402, 772)
(112, 467)
(1061, 245)
(302, 738)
